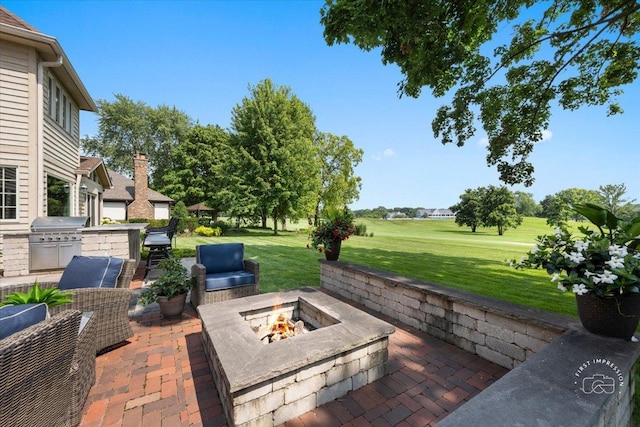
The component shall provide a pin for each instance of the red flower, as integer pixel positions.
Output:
(336, 233)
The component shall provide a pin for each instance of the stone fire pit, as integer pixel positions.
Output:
(266, 385)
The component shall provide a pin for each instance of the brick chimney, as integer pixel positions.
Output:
(140, 207)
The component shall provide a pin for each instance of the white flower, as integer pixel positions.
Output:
(562, 287)
(558, 232)
(580, 289)
(535, 250)
(581, 246)
(555, 277)
(576, 257)
(615, 262)
(637, 256)
(596, 279)
(617, 250)
(607, 277)
(588, 274)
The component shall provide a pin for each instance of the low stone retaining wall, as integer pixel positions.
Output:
(555, 361)
(501, 332)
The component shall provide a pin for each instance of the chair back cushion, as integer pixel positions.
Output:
(221, 258)
(14, 318)
(91, 272)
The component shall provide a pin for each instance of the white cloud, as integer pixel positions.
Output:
(483, 142)
(386, 153)
(546, 135)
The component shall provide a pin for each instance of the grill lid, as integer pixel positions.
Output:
(58, 223)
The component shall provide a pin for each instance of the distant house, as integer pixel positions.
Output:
(40, 101)
(396, 215)
(93, 183)
(132, 198)
(435, 214)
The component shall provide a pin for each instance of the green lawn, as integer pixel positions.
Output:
(437, 251)
(433, 250)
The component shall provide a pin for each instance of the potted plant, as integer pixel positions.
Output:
(328, 236)
(170, 289)
(602, 268)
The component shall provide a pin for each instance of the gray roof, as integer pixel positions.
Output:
(122, 190)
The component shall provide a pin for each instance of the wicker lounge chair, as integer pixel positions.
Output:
(221, 274)
(37, 366)
(110, 306)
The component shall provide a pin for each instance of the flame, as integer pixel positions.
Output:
(282, 326)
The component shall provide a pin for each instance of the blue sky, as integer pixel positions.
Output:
(200, 56)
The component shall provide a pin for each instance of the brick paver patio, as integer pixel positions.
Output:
(161, 378)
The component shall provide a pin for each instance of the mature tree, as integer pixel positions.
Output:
(126, 127)
(498, 209)
(338, 157)
(468, 209)
(612, 199)
(202, 167)
(277, 163)
(557, 208)
(525, 205)
(573, 52)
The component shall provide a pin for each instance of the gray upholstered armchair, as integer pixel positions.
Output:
(222, 273)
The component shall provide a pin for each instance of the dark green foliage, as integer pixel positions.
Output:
(52, 297)
(174, 281)
(505, 62)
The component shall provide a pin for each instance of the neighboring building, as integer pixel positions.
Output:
(132, 198)
(396, 215)
(94, 181)
(41, 96)
(435, 213)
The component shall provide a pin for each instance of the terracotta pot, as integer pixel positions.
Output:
(613, 317)
(172, 308)
(334, 253)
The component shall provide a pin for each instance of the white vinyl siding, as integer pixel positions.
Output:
(61, 146)
(18, 93)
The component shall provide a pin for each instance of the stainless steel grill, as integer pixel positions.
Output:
(54, 240)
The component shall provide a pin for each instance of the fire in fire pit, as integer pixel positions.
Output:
(282, 328)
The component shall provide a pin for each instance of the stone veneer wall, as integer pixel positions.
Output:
(546, 351)
(501, 332)
(15, 255)
(275, 401)
(96, 241)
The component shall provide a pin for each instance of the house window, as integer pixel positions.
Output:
(60, 106)
(8, 193)
(58, 197)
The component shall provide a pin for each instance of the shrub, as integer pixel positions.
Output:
(189, 224)
(208, 231)
(223, 226)
(361, 230)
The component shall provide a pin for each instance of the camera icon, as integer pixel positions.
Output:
(598, 384)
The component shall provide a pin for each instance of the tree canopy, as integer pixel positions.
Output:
(573, 52)
(489, 207)
(277, 163)
(202, 169)
(127, 127)
(337, 157)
